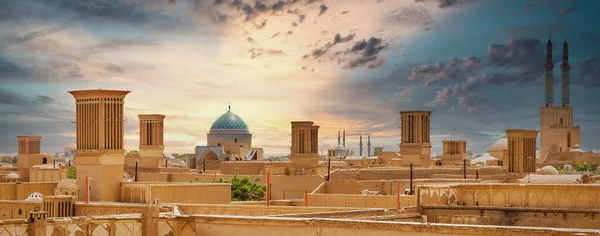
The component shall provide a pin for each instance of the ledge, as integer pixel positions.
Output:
(514, 209)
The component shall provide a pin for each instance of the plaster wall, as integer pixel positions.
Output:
(217, 139)
(385, 187)
(563, 196)
(47, 175)
(360, 201)
(390, 173)
(226, 226)
(283, 186)
(176, 193)
(20, 191)
(249, 210)
(508, 217)
(16, 209)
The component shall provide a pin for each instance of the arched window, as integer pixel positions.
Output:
(44, 160)
(20, 212)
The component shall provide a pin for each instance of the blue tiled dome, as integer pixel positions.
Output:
(229, 123)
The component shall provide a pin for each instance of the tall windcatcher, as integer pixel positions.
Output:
(360, 144)
(549, 75)
(100, 136)
(565, 75)
(369, 145)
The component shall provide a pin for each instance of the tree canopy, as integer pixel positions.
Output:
(71, 172)
(242, 189)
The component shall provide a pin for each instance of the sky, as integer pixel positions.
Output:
(348, 65)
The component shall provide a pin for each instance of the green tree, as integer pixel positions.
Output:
(71, 172)
(242, 189)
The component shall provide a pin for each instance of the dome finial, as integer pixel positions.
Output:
(230, 106)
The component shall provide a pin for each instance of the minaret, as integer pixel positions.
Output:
(339, 138)
(360, 144)
(565, 75)
(369, 145)
(549, 76)
(344, 139)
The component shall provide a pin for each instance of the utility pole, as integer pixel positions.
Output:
(136, 171)
(411, 179)
(328, 168)
(465, 168)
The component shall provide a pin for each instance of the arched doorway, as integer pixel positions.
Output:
(209, 160)
(44, 161)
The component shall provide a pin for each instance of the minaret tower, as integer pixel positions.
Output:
(565, 75)
(369, 145)
(344, 139)
(549, 75)
(360, 144)
(339, 136)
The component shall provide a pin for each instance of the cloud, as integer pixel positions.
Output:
(405, 94)
(432, 74)
(589, 75)
(449, 3)
(365, 53)
(470, 103)
(257, 52)
(322, 9)
(516, 63)
(337, 39)
(565, 12)
(409, 16)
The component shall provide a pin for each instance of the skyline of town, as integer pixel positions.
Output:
(201, 57)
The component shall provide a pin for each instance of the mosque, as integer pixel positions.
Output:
(229, 139)
(559, 137)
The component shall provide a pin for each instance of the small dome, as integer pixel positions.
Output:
(13, 176)
(67, 184)
(499, 145)
(548, 170)
(341, 151)
(229, 123)
(35, 196)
